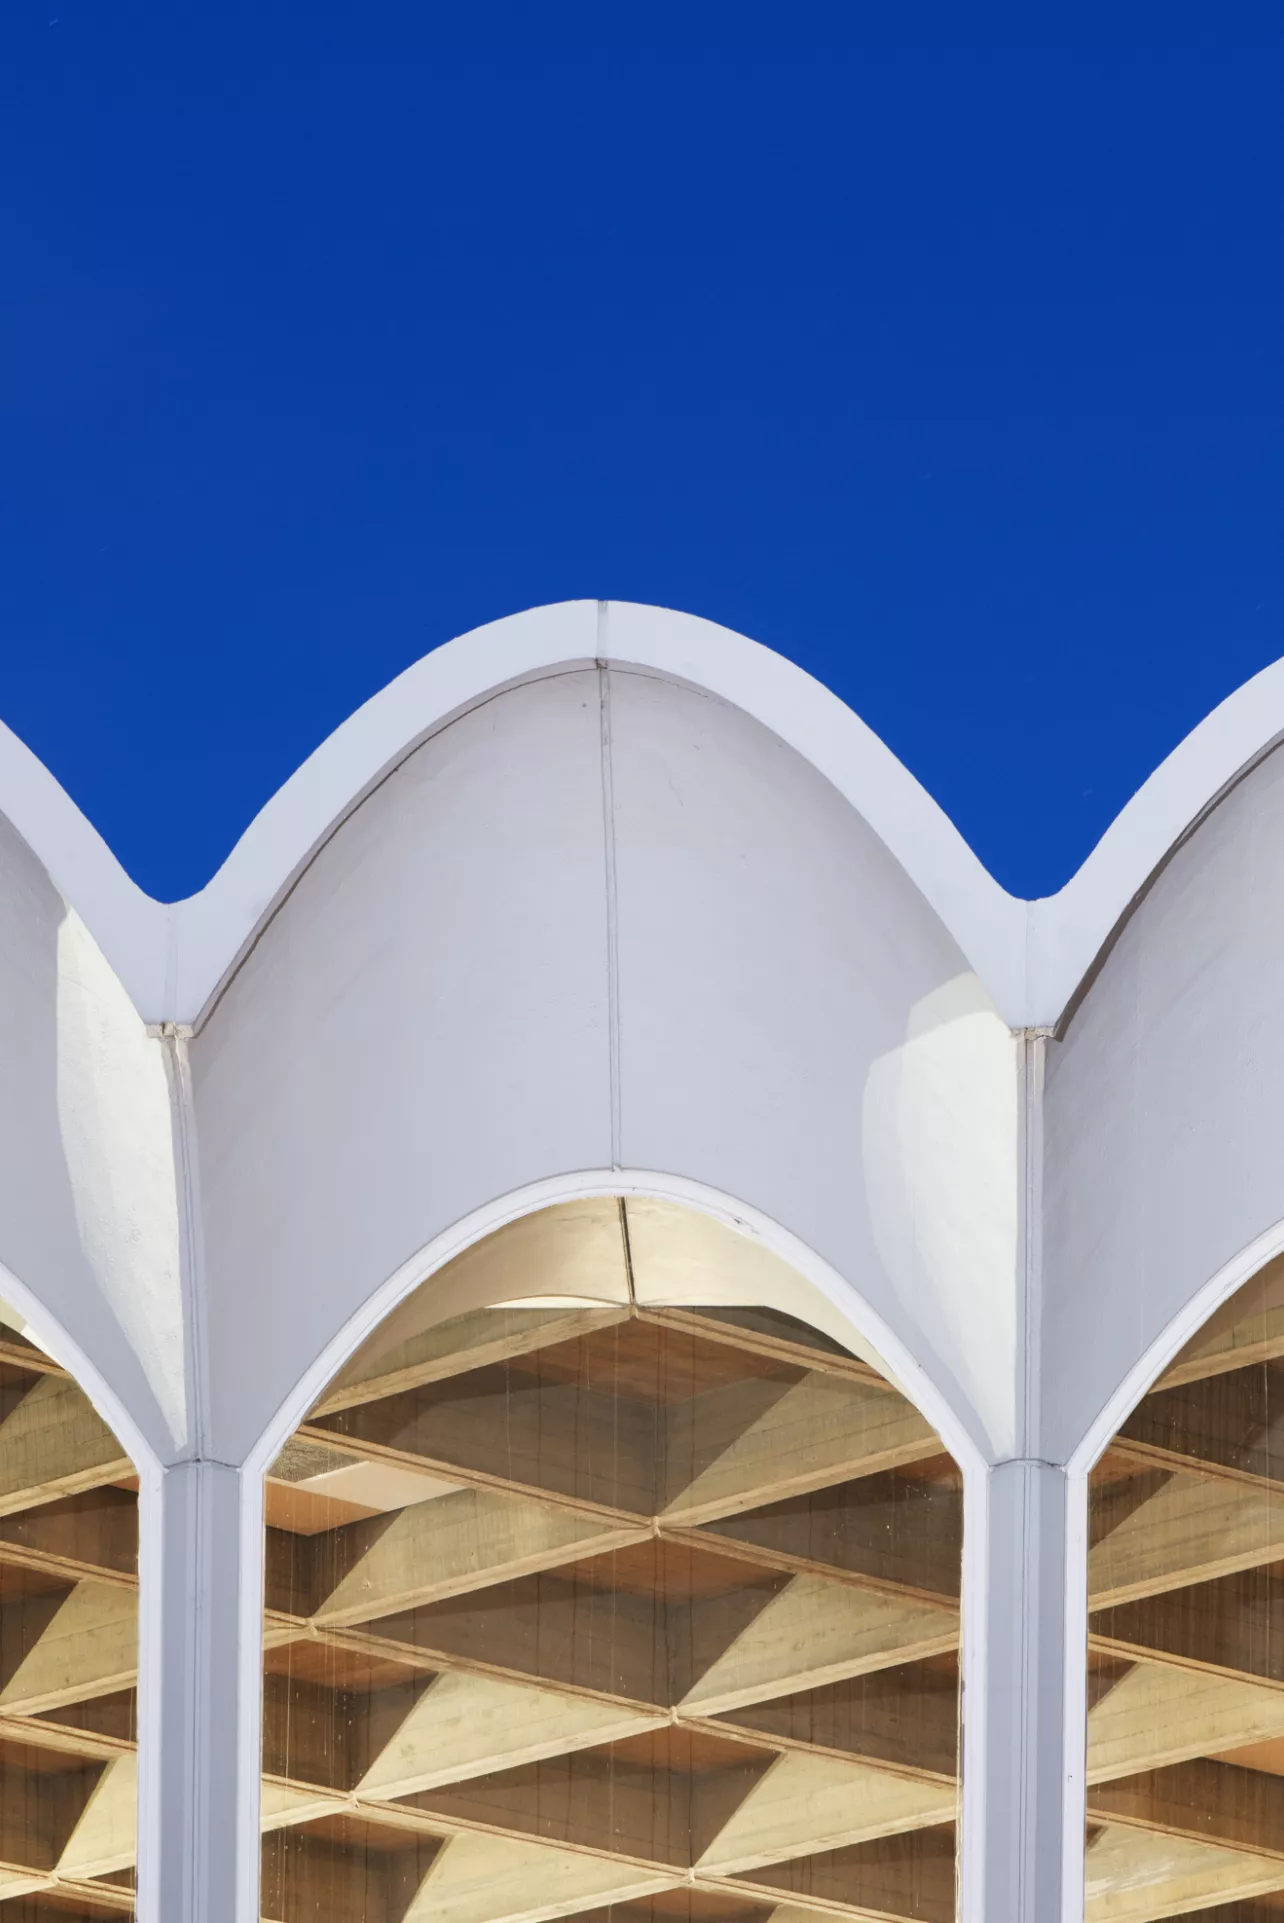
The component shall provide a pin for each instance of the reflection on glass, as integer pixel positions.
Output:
(594, 1600)
(1186, 1634)
(68, 1648)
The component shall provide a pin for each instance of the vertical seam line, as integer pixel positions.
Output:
(201, 1707)
(612, 900)
(1028, 1562)
(191, 1293)
(1032, 1263)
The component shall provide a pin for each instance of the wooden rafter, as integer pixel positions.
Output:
(1186, 1723)
(621, 1643)
(68, 1648)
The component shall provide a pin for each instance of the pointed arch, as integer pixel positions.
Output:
(651, 1283)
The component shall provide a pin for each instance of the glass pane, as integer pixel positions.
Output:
(68, 1647)
(580, 1600)
(1186, 1633)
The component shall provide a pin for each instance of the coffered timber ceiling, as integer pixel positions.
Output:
(671, 1631)
(678, 1615)
(68, 1649)
(1186, 1643)
(675, 1637)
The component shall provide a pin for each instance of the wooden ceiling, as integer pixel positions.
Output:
(671, 1633)
(1186, 1682)
(68, 1650)
(652, 1610)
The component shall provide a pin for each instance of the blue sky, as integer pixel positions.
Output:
(956, 373)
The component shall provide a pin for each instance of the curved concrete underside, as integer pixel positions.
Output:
(604, 900)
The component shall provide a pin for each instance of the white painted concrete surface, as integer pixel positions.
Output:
(607, 898)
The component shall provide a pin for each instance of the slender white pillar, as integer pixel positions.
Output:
(1024, 1624)
(192, 1699)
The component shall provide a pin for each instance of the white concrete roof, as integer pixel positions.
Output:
(1031, 956)
(606, 900)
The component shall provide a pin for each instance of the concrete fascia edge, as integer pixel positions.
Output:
(1029, 956)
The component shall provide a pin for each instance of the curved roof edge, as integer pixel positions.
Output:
(1031, 957)
(129, 927)
(213, 928)
(1069, 930)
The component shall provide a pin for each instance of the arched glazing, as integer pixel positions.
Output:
(1185, 1747)
(68, 1647)
(607, 1579)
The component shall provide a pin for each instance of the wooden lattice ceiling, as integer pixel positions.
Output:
(68, 1650)
(655, 1610)
(1186, 1646)
(672, 1631)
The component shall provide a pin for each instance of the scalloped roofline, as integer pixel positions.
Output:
(1032, 957)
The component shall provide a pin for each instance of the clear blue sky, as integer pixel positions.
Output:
(957, 374)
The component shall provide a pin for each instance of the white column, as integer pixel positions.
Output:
(1022, 1623)
(192, 1715)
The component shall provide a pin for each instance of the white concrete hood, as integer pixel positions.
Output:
(787, 977)
(606, 899)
